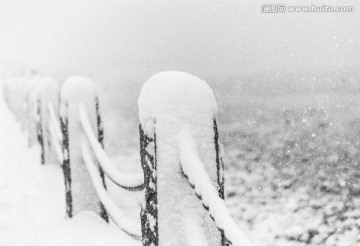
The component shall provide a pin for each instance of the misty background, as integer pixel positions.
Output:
(249, 58)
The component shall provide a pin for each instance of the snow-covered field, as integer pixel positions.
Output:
(292, 172)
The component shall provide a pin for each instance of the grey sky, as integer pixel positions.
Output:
(201, 37)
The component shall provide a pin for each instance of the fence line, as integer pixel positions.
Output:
(180, 155)
(74, 91)
(80, 115)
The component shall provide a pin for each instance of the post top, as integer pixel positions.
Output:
(77, 88)
(176, 95)
(46, 83)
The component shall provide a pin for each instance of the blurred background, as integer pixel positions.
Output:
(287, 85)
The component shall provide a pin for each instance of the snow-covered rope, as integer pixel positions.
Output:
(193, 168)
(124, 223)
(132, 182)
(55, 143)
(55, 133)
(55, 122)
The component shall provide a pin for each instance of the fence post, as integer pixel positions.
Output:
(39, 128)
(168, 102)
(220, 175)
(80, 193)
(149, 213)
(31, 111)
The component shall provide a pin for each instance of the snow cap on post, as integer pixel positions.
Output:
(80, 193)
(77, 89)
(176, 95)
(170, 101)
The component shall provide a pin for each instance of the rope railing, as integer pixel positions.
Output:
(56, 143)
(80, 115)
(55, 123)
(200, 181)
(123, 222)
(131, 182)
(55, 132)
(180, 155)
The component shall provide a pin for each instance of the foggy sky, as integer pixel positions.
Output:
(63, 38)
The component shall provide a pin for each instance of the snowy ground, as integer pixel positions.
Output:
(292, 174)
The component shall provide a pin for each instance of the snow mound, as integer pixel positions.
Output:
(176, 95)
(73, 85)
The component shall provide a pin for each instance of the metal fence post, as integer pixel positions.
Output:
(80, 193)
(170, 102)
(149, 213)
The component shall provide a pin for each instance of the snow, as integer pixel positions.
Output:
(193, 231)
(54, 121)
(31, 110)
(31, 195)
(175, 95)
(85, 229)
(15, 95)
(32, 202)
(56, 143)
(172, 100)
(55, 132)
(48, 92)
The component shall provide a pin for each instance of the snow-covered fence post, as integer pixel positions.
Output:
(220, 173)
(31, 111)
(80, 193)
(149, 213)
(173, 215)
(47, 93)
(39, 128)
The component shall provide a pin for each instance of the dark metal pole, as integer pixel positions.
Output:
(100, 130)
(220, 178)
(149, 214)
(64, 121)
(39, 130)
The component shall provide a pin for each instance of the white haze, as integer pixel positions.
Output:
(134, 39)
